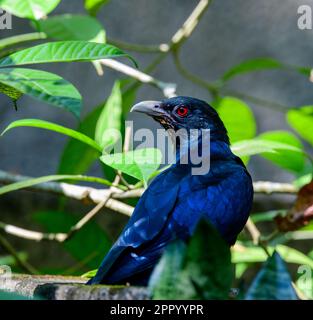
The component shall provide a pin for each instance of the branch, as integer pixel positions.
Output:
(268, 187)
(162, 47)
(190, 24)
(168, 89)
(75, 192)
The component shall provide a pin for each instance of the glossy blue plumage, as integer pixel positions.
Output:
(172, 206)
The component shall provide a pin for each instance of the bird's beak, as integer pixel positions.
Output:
(151, 108)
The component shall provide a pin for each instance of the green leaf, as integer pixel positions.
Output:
(165, 282)
(139, 164)
(209, 263)
(77, 157)
(89, 274)
(36, 123)
(259, 64)
(108, 128)
(88, 246)
(290, 160)
(72, 27)
(10, 260)
(257, 146)
(257, 254)
(43, 86)
(34, 181)
(237, 117)
(63, 51)
(10, 91)
(201, 271)
(273, 282)
(93, 6)
(301, 120)
(30, 9)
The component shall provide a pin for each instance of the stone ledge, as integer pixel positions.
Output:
(68, 288)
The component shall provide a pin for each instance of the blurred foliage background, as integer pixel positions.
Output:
(248, 59)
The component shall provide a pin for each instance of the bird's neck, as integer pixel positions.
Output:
(206, 146)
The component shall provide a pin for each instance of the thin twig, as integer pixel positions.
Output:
(10, 250)
(253, 230)
(168, 89)
(162, 47)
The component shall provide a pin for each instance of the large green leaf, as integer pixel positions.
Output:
(72, 27)
(139, 164)
(202, 271)
(290, 160)
(88, 246)
(36, 123)
(108, 128)
(43, 86)
(301, 120)
(93, 6)
(31, 9)
(259, 64)
(273, 282)
(237, 117)
(257, 146)
(63, 51)
(165, 282)
(34, 181)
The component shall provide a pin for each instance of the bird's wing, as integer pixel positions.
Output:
(148, 219)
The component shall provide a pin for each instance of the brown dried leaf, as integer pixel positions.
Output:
(301, 213)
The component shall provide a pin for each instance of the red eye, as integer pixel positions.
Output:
(182, 111)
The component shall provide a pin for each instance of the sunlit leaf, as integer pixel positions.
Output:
(237, 117)
(63, 51)
(43, 86)
(72, 27)
(36, 123)
(139, 164)
(108, 128)
(257, 146)
(31, 9)
(301, 120)
(290, 160)
(273, 282)
(93, 6)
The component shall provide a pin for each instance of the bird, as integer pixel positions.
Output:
(176, 200)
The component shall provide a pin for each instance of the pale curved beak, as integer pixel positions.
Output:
(151, 108)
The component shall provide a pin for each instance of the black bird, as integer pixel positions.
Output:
(177, 199)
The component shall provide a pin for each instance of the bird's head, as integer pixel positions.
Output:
(184, 113)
